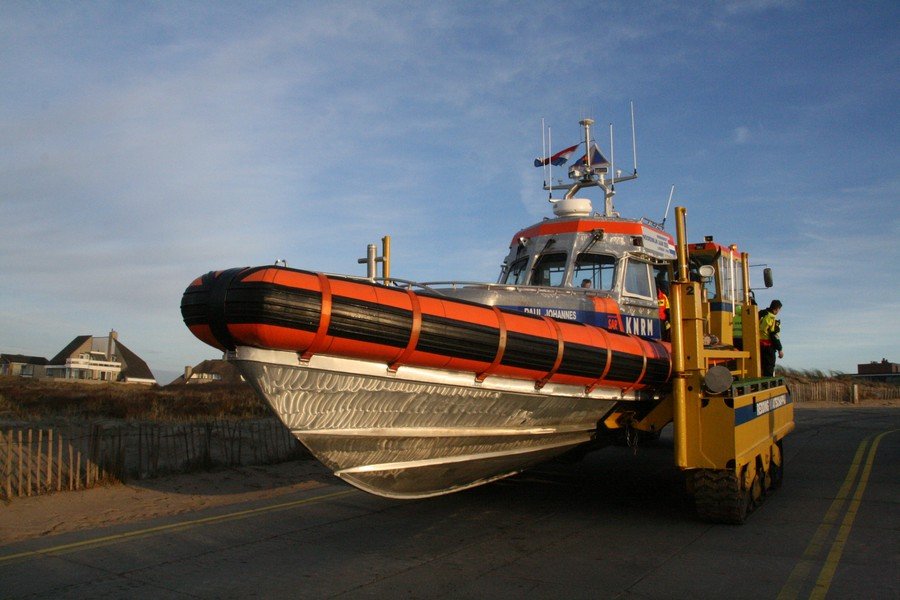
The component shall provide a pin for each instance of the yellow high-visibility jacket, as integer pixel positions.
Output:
(769, 329)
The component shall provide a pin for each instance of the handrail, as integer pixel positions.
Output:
(521, 288)
(430, 286)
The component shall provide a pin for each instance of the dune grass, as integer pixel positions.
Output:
(810, 374)
(30, 399)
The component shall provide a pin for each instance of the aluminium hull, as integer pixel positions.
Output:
(414, 433)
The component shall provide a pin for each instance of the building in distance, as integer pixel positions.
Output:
(19, 365)
(99, 359)
(884, 371)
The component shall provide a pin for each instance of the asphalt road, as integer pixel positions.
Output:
(616, 525)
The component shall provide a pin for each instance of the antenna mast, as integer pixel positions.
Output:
(612, 160)
(634, 140)
(668, 204)
(550, 162)
(586, 123)
(544, 147)
(585, 174)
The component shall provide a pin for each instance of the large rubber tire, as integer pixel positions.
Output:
(719, 498)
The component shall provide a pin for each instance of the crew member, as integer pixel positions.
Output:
(769, 340)
(663, 300)
(586, 283)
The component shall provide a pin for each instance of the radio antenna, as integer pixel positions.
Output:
(550, 162)
(634, 144)
(544, 147)
(668, 204)
(612, 160)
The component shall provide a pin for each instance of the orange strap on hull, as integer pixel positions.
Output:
(560, 346)
(324, 318)
(413, 334)
(668, 358)
(606, 368)
(637, 381)
(501, 346)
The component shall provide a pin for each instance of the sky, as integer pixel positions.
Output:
(144, 144)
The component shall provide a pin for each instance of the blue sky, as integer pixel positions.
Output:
(147, 143)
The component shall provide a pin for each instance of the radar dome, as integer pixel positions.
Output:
(573, 207)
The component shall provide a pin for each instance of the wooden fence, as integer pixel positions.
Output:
(37, 461)
(840, 391)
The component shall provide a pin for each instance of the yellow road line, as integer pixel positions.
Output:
(791, 589)
(837, 548)
(112, 539)
(816, 547)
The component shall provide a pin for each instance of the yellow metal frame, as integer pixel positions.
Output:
(727, 436)
(739, 429)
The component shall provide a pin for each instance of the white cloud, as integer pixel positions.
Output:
(739, 7)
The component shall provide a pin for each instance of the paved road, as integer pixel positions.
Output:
(616, 525)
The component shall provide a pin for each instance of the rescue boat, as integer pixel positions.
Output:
(410, 390)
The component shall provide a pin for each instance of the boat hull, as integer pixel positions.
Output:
(409, 395)
(416, 433)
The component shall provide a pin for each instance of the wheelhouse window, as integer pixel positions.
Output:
(732, 279)
(637, 279)
(516, 274)
(549, 270)
(600, 269)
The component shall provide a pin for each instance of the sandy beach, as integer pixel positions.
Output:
(36, 516)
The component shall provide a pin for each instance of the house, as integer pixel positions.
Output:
(22, 366)
(884, 371)
(90, 358)
(210, 371)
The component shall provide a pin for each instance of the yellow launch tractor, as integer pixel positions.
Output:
(729, 421)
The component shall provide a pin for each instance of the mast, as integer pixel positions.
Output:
(586, 123)
(588, 175)
(612, 175)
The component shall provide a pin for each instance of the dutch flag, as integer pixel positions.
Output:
(557, 159)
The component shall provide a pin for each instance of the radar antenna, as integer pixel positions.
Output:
(668, 204)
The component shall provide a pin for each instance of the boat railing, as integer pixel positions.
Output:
(439, 287)
(436, 287)
(389, 281)
(458, 284)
